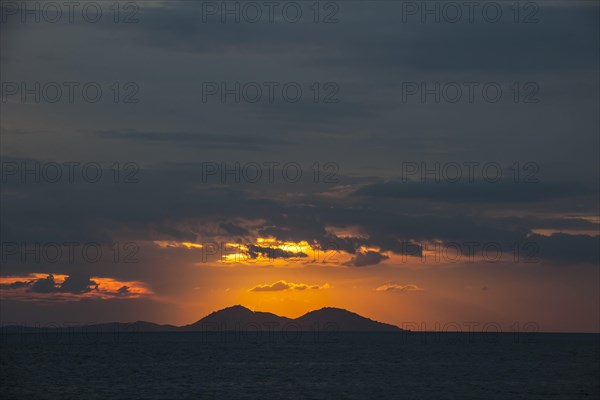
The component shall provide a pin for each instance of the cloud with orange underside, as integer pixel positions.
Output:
(394, 287)
(59, 287)
(284, 285)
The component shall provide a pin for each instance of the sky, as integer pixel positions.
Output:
(425, 164)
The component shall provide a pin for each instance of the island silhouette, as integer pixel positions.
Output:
(240, 318)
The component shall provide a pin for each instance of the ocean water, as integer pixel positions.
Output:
(310, 366)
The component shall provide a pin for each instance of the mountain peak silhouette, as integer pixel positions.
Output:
(239, 317)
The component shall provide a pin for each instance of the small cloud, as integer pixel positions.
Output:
(45, 285)
(75, 284)
(274, 287)
(78, 284)
(283, 285)
(123, 291)
(255, 251)
(363, 259)
(15, 285)
(392, 287)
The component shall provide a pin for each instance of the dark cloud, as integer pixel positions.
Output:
(392, 42)
(45, 285)
(272, 252)
(123, 291)
(564, 248)
(15, 285)
(208, 140)
(363, 259)
(75, 284)
(234, 230)
(172, 203)
(477, 192)
(78, 284)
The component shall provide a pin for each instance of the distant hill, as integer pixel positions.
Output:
(239, 318)
(341, 320)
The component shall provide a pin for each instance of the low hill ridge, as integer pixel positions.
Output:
(240, 318)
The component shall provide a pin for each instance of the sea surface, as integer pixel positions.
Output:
(273, 365)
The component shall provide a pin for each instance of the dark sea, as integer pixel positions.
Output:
(299, 366)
